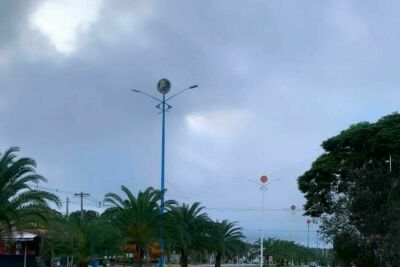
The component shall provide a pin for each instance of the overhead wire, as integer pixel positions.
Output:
(96, 201)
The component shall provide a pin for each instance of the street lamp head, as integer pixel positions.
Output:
(163, 86)
(193, 86)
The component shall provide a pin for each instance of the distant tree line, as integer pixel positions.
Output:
(285, 252)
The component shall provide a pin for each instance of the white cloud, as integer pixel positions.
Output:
(63, 21)
(222, 124)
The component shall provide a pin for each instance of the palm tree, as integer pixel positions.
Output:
(83, 238)
(22, 206)
(187, 229)
(91, 238)
(226, 240)
(138, 219)
(54, 240)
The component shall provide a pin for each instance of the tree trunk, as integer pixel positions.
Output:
(52, 257)
(218, 260)
(184, 258)
(138, 261)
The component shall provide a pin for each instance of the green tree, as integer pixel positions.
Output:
(22, 205)
(91, 238)
(352, 249)
(187, 228)
(138, 219)
(54, 240)
(354, 186)
(79, 238)
(283, 252)
(225, 240)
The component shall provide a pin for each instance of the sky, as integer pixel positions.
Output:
(275, 78)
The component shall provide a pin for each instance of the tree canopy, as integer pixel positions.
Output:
(22, 205)
(354, 186)
(187, 227)
(226, 239)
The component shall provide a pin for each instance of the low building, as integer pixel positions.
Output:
(21, 250)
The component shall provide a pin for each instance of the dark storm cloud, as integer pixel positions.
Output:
(276, 78)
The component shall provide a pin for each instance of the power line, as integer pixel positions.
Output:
(56, 190)
(277, 230)
(295, 162)
(52, 189)
(94, 199)
(178, 191)
(89, 197)
(87, 204)
(252, 209)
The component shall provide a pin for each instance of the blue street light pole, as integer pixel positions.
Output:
(162, 173)
(163, 154)
(163, 86)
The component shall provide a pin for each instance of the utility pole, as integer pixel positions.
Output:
(308, 233)
(67, 207)
(82, 195)
(293, 213)
(263, 188)
(263, 184)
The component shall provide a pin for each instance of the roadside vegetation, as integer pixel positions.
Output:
(284, 253)
(354, 189)
(131, 226)
(128, 231)
(22, 205)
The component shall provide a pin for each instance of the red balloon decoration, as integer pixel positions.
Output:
(264, 179)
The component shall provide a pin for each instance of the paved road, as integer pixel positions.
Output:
(205, 265)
